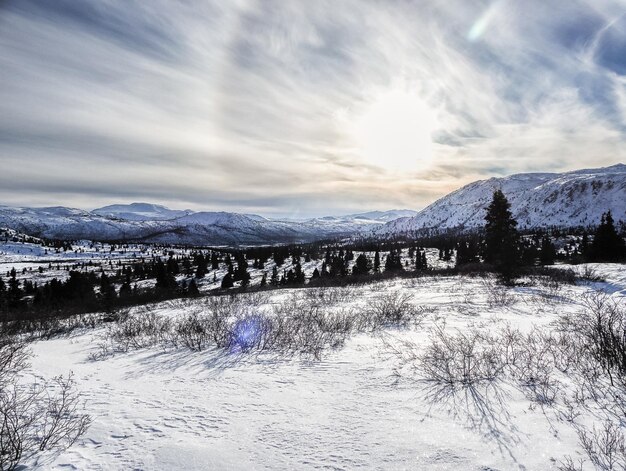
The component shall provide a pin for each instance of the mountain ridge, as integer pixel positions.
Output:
(567, 199)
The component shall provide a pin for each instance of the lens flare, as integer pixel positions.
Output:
(246, 334)
(480, 26)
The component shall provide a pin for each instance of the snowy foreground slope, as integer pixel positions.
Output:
(143, 222)
(537, 200)
(363, 405)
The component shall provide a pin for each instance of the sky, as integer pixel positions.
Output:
(301, 108)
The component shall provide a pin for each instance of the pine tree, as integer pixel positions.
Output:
(362, 265)
(420, 261)
(201, 270)
(3, 290)
(298, 274)
(501, 239)
(215, 261)
(192, 289)
(125, 289)
(165, 280)
(466, 253)
(227, 281)
(548, 251)
(393, 261)
(377, 261)
(607, 245)
(107, 292)
(14, 293)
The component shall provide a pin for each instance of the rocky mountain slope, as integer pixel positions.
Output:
(568, 199)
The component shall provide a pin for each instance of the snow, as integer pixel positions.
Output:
(139, 212)
(537, 200)
(157, 224)
(158, 408)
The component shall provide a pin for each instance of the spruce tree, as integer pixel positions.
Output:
(192, 289)
(420, 261)
(299, 274)
(607, 245)
(362, 265)
(501, 239)
(227, 281)
(548, 251)
(14, 293)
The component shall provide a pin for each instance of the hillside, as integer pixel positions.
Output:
(568, 199)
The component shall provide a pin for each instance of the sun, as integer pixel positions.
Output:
(395, 131)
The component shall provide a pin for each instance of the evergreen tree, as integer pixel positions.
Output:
(165, 280)
(3, 290)
(394, 261)
(107, 292)
(215, 261)
(192, 289)
(201, 270)
(466, 253)
(264, 280)
(14, 293)
(125, 289)
(420, 261)
(501, 239)
(362, 265)
(298, 274)
(227, 281)
(274, 279)
(324, 271)
(548, 251)
(607, 245)
(377, 261)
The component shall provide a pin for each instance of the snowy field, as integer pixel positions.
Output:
(363, 404)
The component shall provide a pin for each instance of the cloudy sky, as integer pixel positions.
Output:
(298, 107)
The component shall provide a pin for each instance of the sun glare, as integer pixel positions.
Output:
(395, 131)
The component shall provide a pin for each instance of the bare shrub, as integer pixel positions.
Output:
(570, 465)
(588, 273)
(35, 418)
(461, 359)
(254, 299)
(193, 331)
(497, 294)
(328, 296)
(294, 326)
(604, 446)
(13, 359)
(602, 327)
(138, 330)
(392, 308)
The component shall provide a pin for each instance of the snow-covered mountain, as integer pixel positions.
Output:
(140, 212)
(153, 223)
(382, 216)
(569, 199)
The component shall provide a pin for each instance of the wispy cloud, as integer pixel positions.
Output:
(235, 105)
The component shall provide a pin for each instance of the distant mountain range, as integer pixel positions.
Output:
(537, 200)
(145, 222)
(568, 199)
